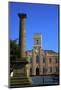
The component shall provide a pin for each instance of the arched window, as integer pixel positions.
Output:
(37, 58)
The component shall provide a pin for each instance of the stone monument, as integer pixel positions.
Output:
(20, 76)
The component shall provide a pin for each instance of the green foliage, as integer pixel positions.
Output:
(14, 53)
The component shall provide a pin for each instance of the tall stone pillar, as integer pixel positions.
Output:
(33, 62)
(20, 72)
(41, 63)
(53, 65)
(22, 24)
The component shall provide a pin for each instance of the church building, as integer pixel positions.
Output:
(42, 62)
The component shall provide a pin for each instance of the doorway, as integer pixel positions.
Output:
(37, 71)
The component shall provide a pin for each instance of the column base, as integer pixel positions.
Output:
(19, 82)
(20, 77)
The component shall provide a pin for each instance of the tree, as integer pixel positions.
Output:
(14, 53)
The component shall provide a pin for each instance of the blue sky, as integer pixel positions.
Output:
(41, 18)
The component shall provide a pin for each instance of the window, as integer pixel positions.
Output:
(56, 60)
(43, 59)
(44, 70)
(37, 71)
(57, 69)
(37, 42)
(30, 59)
(37, 58)
(50, 60)
(50, 69)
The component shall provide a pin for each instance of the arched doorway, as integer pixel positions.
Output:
(37, 71)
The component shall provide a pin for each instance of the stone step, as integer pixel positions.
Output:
(16, 81)
(20, 80)
(16, 84)
(20, 83)
(21, 77)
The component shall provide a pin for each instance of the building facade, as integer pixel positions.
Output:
(42, 62)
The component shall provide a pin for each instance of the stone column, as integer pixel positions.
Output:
(22, 20)
(33, 62)
(41, 63)
(46, 62)
(20, 72)
(53, 65)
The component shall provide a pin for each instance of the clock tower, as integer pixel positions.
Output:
(36, 53)
(37, 41)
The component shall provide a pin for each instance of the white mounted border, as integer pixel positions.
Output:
(4, 44)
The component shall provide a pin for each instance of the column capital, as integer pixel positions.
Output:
(22, 15)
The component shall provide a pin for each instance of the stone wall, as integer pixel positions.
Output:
(48, 64)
